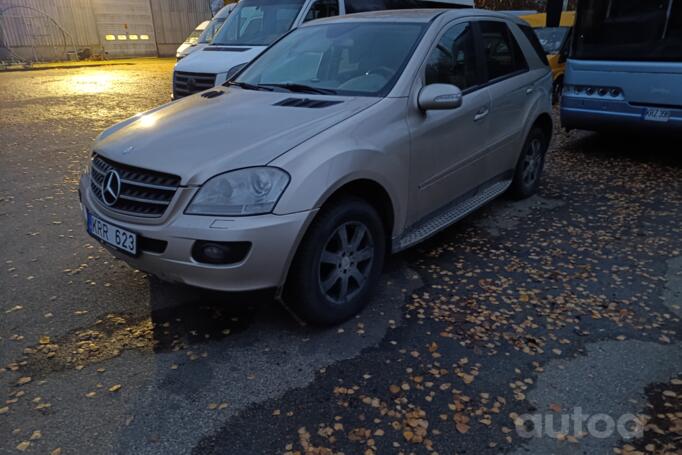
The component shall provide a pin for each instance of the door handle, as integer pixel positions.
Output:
(529, 90)
(481, 114)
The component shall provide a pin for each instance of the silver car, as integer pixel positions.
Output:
(348, 139)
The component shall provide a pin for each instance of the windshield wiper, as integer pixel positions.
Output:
(304, 88)
(247, 86)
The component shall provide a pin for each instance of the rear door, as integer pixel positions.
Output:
(511, 87)
(445, 143)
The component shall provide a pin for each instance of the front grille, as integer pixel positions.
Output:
(143, 192)
(188, 83)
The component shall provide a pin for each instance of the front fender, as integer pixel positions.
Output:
(313, 182)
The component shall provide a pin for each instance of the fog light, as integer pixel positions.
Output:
(615, 92)
(220, 252)
(589, 90)
(602, 92)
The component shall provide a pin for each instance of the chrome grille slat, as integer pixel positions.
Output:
(139, 199)
(185, 83)
(144, 192)
(148, 185)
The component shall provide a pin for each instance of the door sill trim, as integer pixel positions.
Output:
(451, 213)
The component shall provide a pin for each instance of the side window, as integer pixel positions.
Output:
(358, 6)
(322, 8)
(503, 55)
(535, 42)
(453, 61)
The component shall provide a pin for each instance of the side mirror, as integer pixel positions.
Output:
(439, 96)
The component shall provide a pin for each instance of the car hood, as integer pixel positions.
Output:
(198, 137)
(217, 59)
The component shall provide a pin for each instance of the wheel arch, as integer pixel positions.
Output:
(364, 188)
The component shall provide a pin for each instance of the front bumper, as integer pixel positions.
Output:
(578, 112)
(274, 239)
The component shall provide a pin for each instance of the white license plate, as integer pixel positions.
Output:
(656, 115)
(113, 235)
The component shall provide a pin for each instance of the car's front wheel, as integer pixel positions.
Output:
(338, 263)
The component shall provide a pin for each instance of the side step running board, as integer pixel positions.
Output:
(448, 215)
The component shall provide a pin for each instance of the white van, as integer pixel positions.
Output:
(188, 46)
(208, 31)
(255, 24)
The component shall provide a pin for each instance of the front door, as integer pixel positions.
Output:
(446, 143)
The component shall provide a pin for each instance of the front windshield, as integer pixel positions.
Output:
(258, 22)
(551, 38)
(193, 37)
(208, 34)
(361, 58)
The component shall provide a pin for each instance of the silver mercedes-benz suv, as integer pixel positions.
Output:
(349, 138)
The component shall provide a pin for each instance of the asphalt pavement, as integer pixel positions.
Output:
(567, 302)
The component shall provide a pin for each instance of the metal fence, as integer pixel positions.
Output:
(56, 29)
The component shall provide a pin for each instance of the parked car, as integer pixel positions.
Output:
(209, 31)
(255, 24)
(191, 41)
(349, 138)
(556, 43)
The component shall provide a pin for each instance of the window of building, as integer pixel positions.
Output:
(110, 37)
(133, 37)
(144, 37)
(122, 37)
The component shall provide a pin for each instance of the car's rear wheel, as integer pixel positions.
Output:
(557, 90)
(338, 263)
(530, 165)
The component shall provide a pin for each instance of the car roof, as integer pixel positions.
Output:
(420, 15)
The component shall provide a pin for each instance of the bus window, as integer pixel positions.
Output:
(629, 30)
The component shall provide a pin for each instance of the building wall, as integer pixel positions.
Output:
(175, 19)
(115, 27)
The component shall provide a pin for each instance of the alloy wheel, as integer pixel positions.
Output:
(346, 261)
(532, 162)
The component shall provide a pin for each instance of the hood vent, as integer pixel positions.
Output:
(226, 49)
(212, 93)
(306, 102)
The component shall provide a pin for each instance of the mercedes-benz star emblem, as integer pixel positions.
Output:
(111, 188)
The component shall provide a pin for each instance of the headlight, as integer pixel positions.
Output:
(250, 191)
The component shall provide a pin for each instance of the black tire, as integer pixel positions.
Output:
(531, 162)
(557, 89)
(314, 288)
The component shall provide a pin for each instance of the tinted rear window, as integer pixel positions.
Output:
(503, 55)
(535, 42)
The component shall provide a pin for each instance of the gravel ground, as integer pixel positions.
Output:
(570, 300)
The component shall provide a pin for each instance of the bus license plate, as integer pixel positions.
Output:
(113, 235)
(656, 115)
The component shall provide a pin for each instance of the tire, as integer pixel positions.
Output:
(531, 162)
(557, 89)
(323, 268)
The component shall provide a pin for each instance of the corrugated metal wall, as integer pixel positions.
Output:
(175, 19)
(27, 27)
(88, 22)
